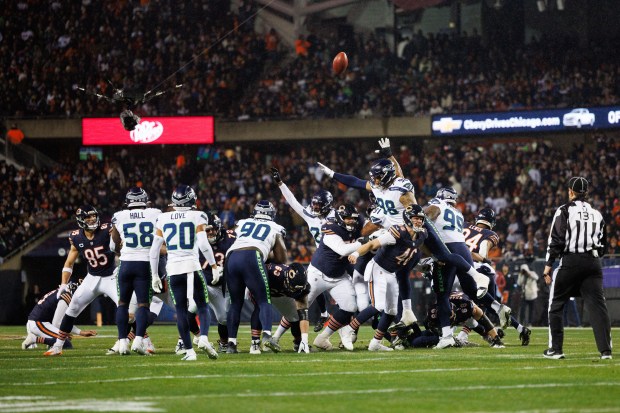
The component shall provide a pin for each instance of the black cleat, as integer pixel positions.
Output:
(500, 332)
(524, 336)
(553, 354)
(231, 348)
(320, 323)
(396, 327)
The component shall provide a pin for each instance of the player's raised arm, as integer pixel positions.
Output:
(386, 152)
(288, 195)
(348, 180)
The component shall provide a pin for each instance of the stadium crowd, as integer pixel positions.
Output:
(508, 177)
(244, 77)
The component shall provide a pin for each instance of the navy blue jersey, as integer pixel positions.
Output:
(325, 259)
(96, 252)
(46, 306)
(406, 251)
(475, 235)
(462, 306)
(219, 251)
(285, 282)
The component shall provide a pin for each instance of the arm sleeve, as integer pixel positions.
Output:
(290, 198)
(154, 254)
(557, 236)
(350, 180)
(484, 248)
(205, 247)
(387, 238)
(336, 244)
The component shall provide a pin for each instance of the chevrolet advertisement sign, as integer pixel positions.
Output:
(525, 121)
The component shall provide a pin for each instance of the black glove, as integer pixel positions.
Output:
(276, 175)
(363, 240)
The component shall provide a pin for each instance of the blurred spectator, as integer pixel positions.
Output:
(528, 280)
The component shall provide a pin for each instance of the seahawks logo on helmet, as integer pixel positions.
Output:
(136, 197)
(264, 210)
(448, 194)
(183, 198)
(384, 172)
(486, 216)
(321, 203)
(83, 217)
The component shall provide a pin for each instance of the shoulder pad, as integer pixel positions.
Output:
(434, 201)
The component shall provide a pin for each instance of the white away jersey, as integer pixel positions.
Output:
(450, 221)
(179, 231)
(136, 228)
(314, 223)
(389, 200)
(378, 217)
(257, 233)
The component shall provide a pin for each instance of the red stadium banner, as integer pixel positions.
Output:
(158, 130)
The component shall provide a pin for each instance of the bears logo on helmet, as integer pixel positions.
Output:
(347, 212)
(414, 211)
(384, 172)
(296, 281)
(84, 216)
(214, 228)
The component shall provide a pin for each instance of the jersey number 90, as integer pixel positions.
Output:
(250, 229)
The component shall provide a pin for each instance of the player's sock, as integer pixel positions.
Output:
(193, 324)
(325, 314)
(363, 316)
(131, 336)
(446, 331)
(296, 331)
(406, 304)
(515, 324)
(204, 317)
(232, 340)
(384, 323)
(519, 328)
(282, 328)
(322, 303)
(151, 319)
(256, 334)
(222, 330)
(496, 306)
(337, 320)
(142, 316)
(46, 341)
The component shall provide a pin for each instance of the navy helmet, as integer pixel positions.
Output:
(214, 228)
(383, 171)
(486, 216)
(136, 197)
(264, 210)
(448, 194)
(183, 198)
(83, 215)
(296, 281)
(347, 211)
(321, 203)
(413, 211)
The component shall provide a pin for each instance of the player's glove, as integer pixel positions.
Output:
(303, 348)
(328, 172)
(217, 274)
(385, 151)
(276, 175)
(156, 284)
(61, 289)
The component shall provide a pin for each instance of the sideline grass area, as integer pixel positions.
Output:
(479, 379)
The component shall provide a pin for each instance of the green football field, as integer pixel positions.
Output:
(473, 379)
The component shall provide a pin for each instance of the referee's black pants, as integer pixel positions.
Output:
(579, 274)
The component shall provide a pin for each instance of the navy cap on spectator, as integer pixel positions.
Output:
(578, 184)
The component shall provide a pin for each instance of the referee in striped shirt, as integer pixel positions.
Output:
(577, 237)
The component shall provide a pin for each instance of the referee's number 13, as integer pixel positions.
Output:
(584, 215)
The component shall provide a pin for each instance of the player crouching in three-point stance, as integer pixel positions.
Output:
(92, 243)
(182, 230)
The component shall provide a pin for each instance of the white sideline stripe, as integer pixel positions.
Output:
(311, 374)
(94, 405)
(554, 410)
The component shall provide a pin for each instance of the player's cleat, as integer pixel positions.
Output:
(321, 341)
(231, 348)
(553, 354)
(138, 346)
(445, 342)
(150, 348)
(353, 336)
(504, 316)
(112, 351)
(255, 347)
(376, 345)
(207, 347)
(606, 355)
(347, 341)
(222, 347)
(270, 342)
(396, 327)
(123, 347)
(30, 342)
(195, 340)
(180, 348)
(190, 355)
(524, 336)
(320, 323)
(500, 332)
(53, 351)
(408, 317)
(497, 343)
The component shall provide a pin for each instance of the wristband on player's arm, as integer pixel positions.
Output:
(350, 180)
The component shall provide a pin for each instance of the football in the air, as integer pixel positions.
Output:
(340, 63)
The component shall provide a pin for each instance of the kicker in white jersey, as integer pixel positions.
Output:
(136, 228)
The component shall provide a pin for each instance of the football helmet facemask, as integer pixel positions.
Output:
(183, 198)
(382, 173)
(448, 194)
(347, 217)
(214, 228)
(264, 210)
(486, 216)
(136, 197)
(321, 203)
(87, 217)
(412, 212)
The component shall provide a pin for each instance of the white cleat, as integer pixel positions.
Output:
(346, 338)
(138, 346)
(180, 348)
(53, 351)
(408, 318)
(114, 349)
(255, 347)
(504, 316)
(445, 342)
(150, 348)
(30, 342)
(207, 347)
(377, 346)
(323, 342)
(190, 355)
(196, 340)
(123, 347)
